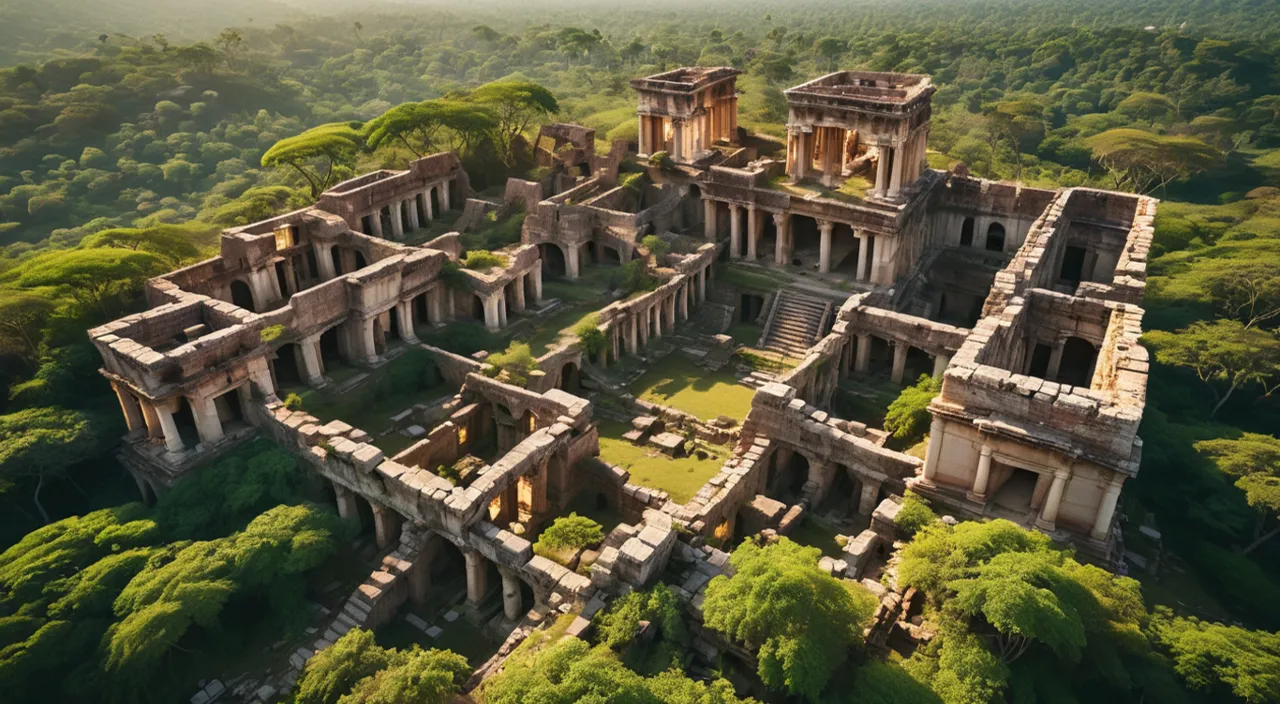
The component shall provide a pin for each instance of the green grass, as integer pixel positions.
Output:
(817, 533)
(677, 382)
(679, 477)
(750, 278)
(745, 333)
(866, 399)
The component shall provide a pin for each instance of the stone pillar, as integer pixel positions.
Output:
(642, 324)
(1055, 360)
(397, 220)
(709, 220)
(152, 419)
(375, 219)
(702, 284)
(404, 320)
(571, 261)
(1049, 514)
(934, 449)
(172, 438)
(434, 315)
(290, 277)
(1107, 509)
(537, 285)
(677, 140)
(132, 413)
(420, 576)
(411, 208)
(324, 259)
(476, 576)
(517, 287)
(630, 343)
(862, 361)
(982, 475)
(940, 362)
(864, 244)
(895, 173)
(899, 361)
(735, 231)
(655, 317)
(347, 506)
(824, 246)
(386, 526)
(753, 231)
(669, 313)
(683, 297)
(870, 492)
(511, 601)
(208, 425)
(782, 245)
(445, 204)
(502, 307)
(802, 155)
(427, 208)
(642, 144)
(369, 351)
(882, 172)
(491, 320)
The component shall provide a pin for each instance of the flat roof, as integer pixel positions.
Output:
(862, 88)
(686, 79)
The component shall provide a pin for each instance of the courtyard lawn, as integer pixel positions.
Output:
(677, 382)
(815, 532)
(578, 300)
(679, 477)
(866, 399)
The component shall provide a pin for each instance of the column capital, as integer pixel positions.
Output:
(780, 218)
(1063, 473)
(826, 225)
(986, 450)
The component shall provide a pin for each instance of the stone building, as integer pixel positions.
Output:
(1025, 302)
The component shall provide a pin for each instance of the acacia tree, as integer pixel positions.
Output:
(1240, 279)
(355, 670)
(39, 443)
(1144, 162)
(22, 315)
(421, 127)
(515, 105)
(1254, 459)
(802, 621)
(1222, 661)
(318, 153)
(91, 276)
(1222, 354)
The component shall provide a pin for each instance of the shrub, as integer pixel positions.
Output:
(571, 532)
(481, 260)
(662, 160)
(590, 338)
(514, 365)
(908, 415)
(463, 338)
(271, 333)
(449, 472)
(914, 515)
(453, 277)
(293, 402)
(635, 277)
(656, 246)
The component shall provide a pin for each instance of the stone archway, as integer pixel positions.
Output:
(570, 380)
(1078, 359)
(553, 259)
(242, 295)
(995, 237)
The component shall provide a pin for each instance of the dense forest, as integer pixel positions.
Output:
(131, 133)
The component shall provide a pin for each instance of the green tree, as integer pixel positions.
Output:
(1254, 459)
(1222, 354)
(91, 276)
(319, 154)
(176, 244)
(908, 415)
(1239, 279)
(419, 126)
(656, 246)
(802, 621)
(22, 317)
(1222, 661)
(515, 106)
(571, 532)
(1147, 107)
(43, 443)
(355, 670)
(1144, 162)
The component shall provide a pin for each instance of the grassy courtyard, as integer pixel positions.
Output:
(679, 477)
(679, 383)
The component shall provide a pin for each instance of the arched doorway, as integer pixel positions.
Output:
(749, 307)
(966, 233)
(1078, 357)
(569, 378)
(360, 262)
(995, 237)
(285, 366)
(242, 295)
(553, 263)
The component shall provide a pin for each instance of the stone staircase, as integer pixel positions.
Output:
(794, 323)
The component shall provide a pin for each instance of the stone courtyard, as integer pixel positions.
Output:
(844, 265)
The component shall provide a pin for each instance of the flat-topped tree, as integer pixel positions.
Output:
(321, 155)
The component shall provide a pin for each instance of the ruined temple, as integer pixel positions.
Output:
(1024, 302)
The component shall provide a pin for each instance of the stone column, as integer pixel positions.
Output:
(347, 506)
(290, 277)
(824, 246)
(411, 207)
(802, 155)
(476, 576)
(735, 230)
(781, 247)
(940, 362)
(1107, 509)
(444, 197)
(312, 367)
(642, 324)
(895, 174)
(420, 576)
(934, 449)
(882, 172)
(702, 284)
(571, 261)
(427, 208)
(683, 297)
(862, 362)
(434, 315)
(324, 258)
(404, 321)
(491, 320)
(982, 475)
(630, 342)
(537, 285)
(870, 492)
(152, 418)
(753, 231)
(709, 219)
(511, 602)
(369, 351)
(655, 317)
(1049, 514)
(132, 413)
(208, 425)
(517, 287)
(669, 312)
(375, 219)
(899, 361)
(172, 438)
(864, 245)
(642, 144)
(386, 526)
(502, 307)
(1055, 360)
(397, 220)
(677, 139)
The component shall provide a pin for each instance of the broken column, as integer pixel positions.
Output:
(386, 526)
(511, 601)
(476, 577)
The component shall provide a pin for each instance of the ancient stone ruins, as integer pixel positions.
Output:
(1025, 302)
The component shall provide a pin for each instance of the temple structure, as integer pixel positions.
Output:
(1024, 302)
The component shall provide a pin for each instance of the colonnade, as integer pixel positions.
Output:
(899, 163)
(155, 418)
(403, 213)
(869, 260)
(631, 334)
(859, 356)
(511, 297)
